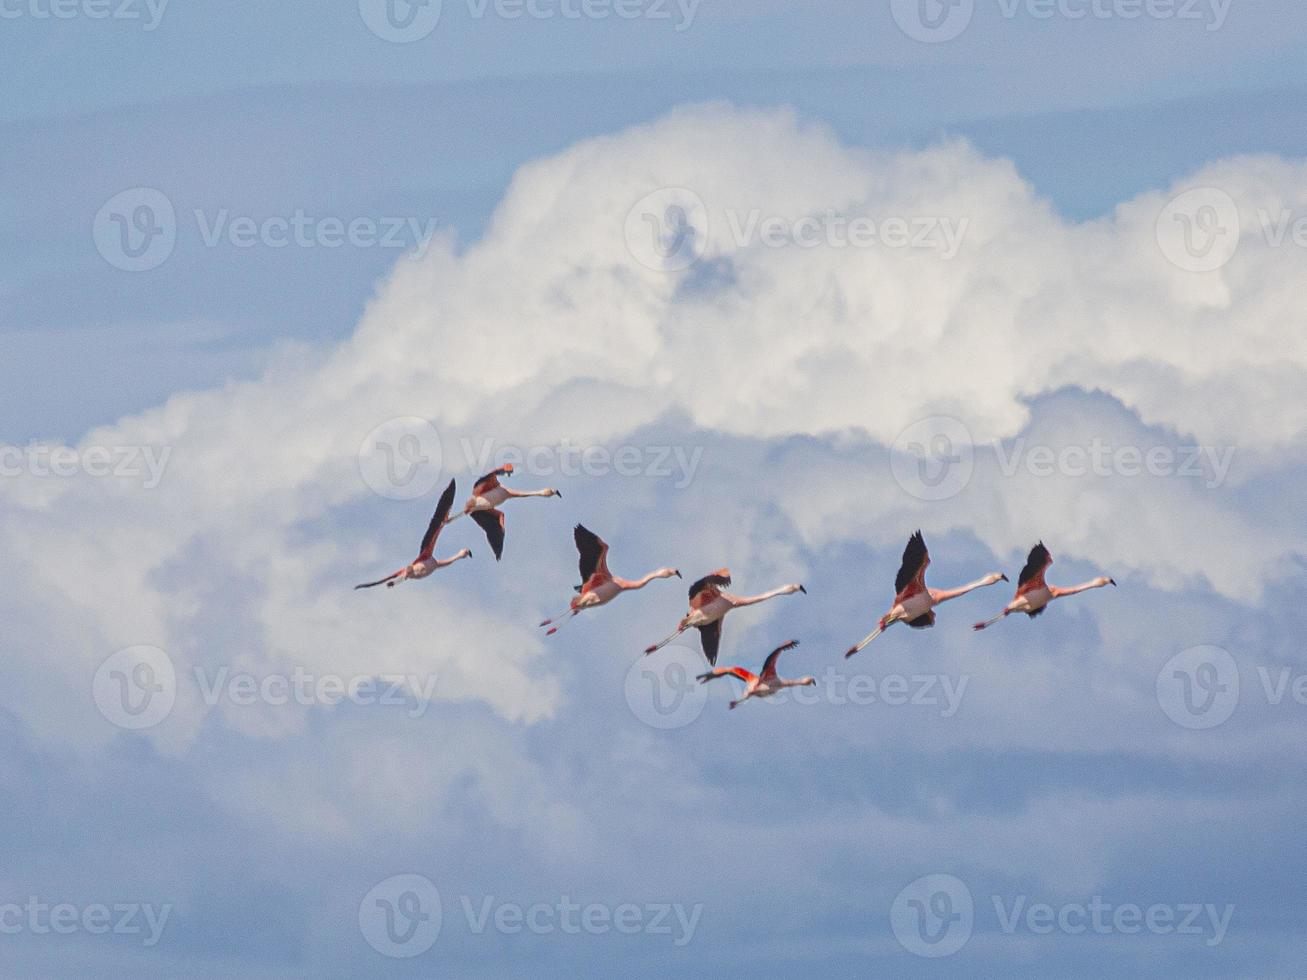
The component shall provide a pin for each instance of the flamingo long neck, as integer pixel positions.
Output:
(639, 583)
(1076, 589)
(530, 493)
(755, 599)
(944, 595)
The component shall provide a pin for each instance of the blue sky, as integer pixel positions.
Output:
(439, 250)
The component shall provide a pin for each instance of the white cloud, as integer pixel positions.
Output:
(550, 328)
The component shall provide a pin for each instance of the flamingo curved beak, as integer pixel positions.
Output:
(803, 590)
(1004, 577)
(1112, 580)
(677, 571)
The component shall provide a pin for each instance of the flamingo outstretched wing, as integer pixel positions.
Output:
(492, 522)
(1032, 576)
(710, 636)
(491, 480)
(437, 522)
(710, 586)
(594, 554)
(912, 573)
(716, 672)
(769, 667)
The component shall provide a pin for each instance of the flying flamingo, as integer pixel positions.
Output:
(426, 562)
(914, 602)
(763, 685)
(598, 585)
(488, 494)
(709, 605)
(1033, 595)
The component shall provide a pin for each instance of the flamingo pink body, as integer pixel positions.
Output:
(426, 562)
(709, 606)
(483, 506)
(1033, 593)
(762, 685)
(915, 602)
(598, 585)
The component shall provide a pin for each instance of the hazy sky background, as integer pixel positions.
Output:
(792, 382)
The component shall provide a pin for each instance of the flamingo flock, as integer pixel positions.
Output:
(914, 602)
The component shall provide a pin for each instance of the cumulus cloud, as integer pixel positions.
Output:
(552, 326)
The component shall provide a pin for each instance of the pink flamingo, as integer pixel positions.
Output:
(914, 603)
(598, 585)
(487, 494)
(763, 685)
(709, 606)
(426, 562)
(1033, 595)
